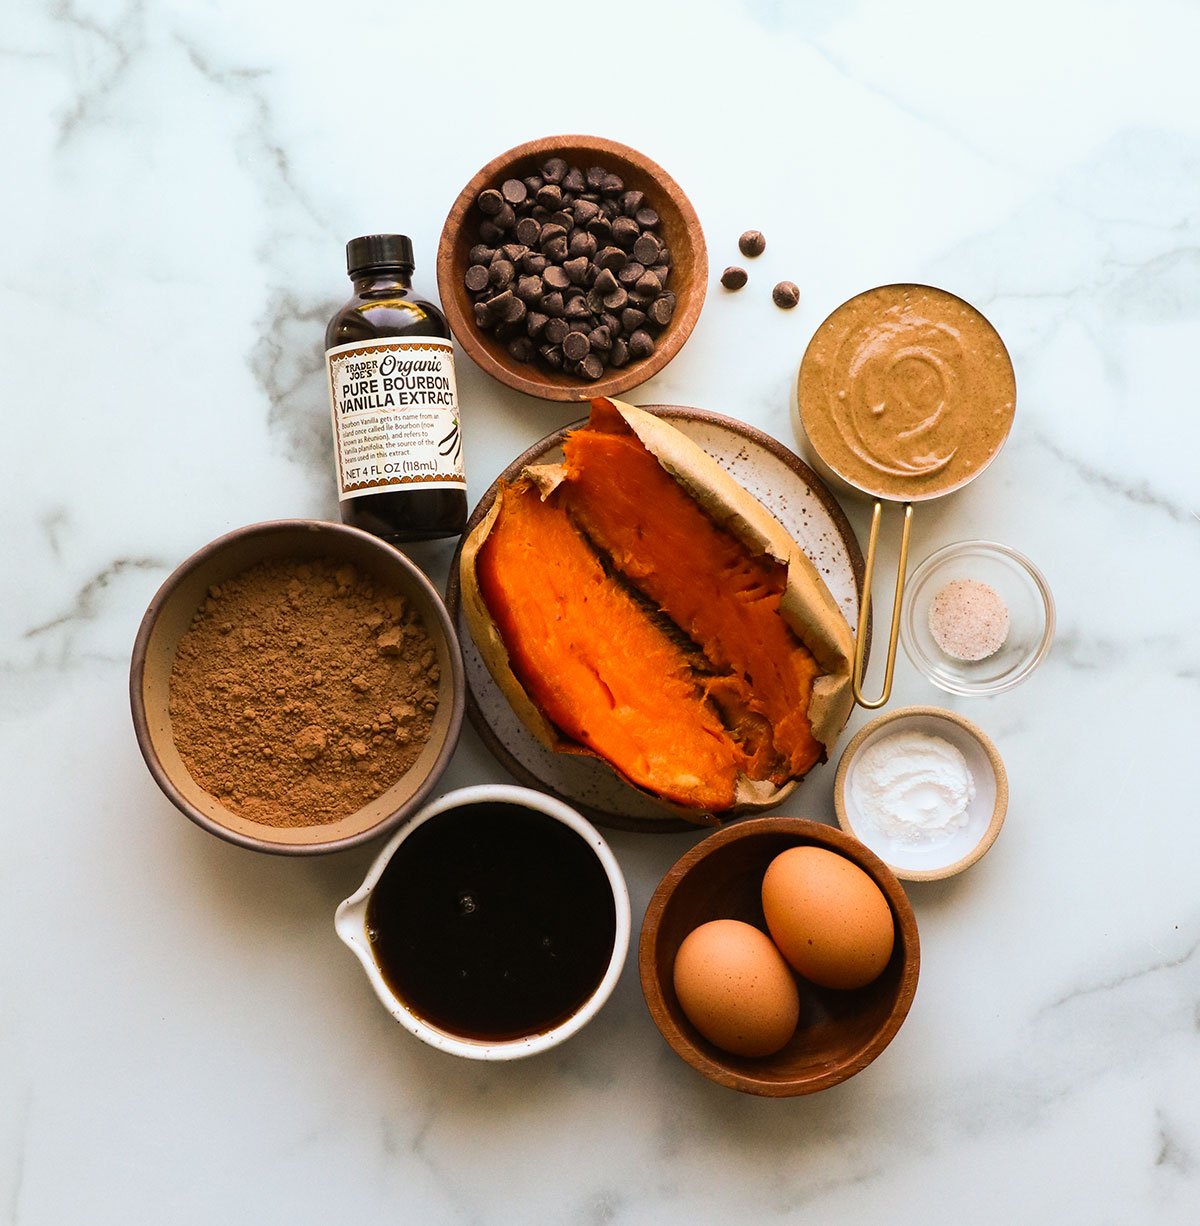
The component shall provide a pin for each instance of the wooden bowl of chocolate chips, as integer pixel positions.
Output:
(572, 267)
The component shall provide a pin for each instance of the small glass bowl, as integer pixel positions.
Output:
(1019, 584)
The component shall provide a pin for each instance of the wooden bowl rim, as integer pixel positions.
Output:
(141, 720)
(805, 832)
(602, 817)
(674, 336)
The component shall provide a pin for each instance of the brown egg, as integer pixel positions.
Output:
(828, 918)
(736, 989)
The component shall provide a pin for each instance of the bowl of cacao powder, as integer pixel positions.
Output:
(297, 687)
(571, 267)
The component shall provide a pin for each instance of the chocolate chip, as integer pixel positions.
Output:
(550, 197)
(576, 269)
(476, 278)
(734, 277)
(573, 180)
(556, 248)
(521, 348)
(552, 304)
(581, 243)
(596, 175)
(534, 263)
(646, 249)
(632, 319)
(625, 231)
(631, 202)
(554, 331)
(529, 231)
(577, 308)
(501, 273)
(612, 184)
(533, 184)
(600, 338)
(661, 310)
(563, 218)
(505, 219)
(591, 367)
(585, 211)
(514, 251)
(648, 285)
(530, 289)
(490, 202)
(514, 191)
(576, 347)
(647, 218)
(480, 254)
(498, 305)
(629, 272)
(535, 323)
(641, 344)
(752, 243)
(552, 356)
(600, 228)
(490, 233)
(617, 299)
(555, 277)
(553, 170)
(618, 355)
(605, 282)
(786, 294)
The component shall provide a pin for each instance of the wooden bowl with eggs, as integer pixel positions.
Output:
(840, 1030)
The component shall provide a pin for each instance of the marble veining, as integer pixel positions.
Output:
(182, 1038)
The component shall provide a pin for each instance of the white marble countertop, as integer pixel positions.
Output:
(182, 1038)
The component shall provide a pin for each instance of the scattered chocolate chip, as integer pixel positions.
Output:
(734, 277)
(786, 294)
(752, 243)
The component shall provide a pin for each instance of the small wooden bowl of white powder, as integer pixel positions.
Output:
(923, 788)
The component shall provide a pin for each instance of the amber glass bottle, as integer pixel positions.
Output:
(390, 367)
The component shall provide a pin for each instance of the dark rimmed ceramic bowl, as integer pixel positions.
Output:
(169, 616)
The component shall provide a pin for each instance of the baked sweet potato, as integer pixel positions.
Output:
(636, 604)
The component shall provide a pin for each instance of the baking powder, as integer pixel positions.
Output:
(912, 786)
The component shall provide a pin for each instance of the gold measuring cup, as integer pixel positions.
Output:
(906, 393)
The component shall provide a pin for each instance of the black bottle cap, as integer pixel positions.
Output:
(379, 251)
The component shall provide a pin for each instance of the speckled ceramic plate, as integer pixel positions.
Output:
(783, 483)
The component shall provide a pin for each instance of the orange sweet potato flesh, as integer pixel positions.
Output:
(601, 670)
(661, 540)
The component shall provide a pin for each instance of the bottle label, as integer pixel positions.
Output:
(395, 415)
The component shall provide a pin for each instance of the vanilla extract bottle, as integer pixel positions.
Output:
(396, 432)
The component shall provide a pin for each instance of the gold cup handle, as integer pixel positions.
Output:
(864, 611)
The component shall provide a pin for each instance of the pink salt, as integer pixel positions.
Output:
(968, 620)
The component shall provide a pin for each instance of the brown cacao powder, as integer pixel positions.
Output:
(301, 691)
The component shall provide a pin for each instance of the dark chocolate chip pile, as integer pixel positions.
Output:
(570, 270)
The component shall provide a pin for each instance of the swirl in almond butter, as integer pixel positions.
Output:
(906, 392)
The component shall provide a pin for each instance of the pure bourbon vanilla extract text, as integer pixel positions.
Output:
(493, 922)
(396, 433)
